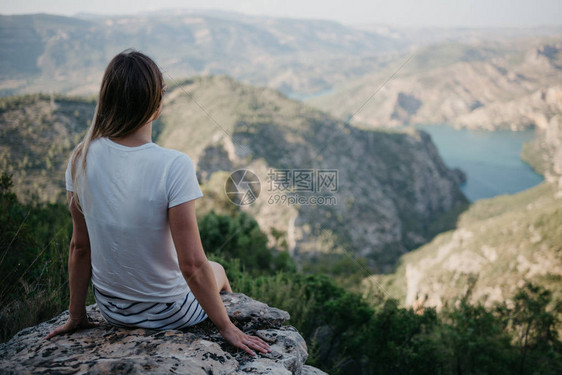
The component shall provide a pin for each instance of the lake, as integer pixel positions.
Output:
(490, 159)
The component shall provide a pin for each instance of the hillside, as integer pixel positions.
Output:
(511, 84)
(393, 191)
(37, 134)
(499, 243)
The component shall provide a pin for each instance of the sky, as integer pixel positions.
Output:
(440, 13)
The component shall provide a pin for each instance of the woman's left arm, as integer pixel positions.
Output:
(79, 272)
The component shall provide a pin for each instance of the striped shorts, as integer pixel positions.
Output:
(151, 315)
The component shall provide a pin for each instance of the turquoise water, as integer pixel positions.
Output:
(490, 159)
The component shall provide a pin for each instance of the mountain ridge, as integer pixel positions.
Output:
(267, 130)
(290, 55)
(500, 85)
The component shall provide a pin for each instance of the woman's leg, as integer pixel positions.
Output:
(220, 277)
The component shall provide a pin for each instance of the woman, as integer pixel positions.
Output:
(133, 210)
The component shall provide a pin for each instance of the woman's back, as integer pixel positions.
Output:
(125, 196)
(134, 227)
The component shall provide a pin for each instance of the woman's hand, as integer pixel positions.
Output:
(71, 325)
(243, 341)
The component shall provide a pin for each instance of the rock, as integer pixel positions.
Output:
(309, 370)
(197, 350)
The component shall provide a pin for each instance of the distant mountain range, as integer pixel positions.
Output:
(48, 53)
(63, 54)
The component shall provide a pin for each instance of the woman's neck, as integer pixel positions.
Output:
(140, 137)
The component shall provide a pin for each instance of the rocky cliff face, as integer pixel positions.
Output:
(544, 153)
(513, 85)
(391, 186)
(197, 350)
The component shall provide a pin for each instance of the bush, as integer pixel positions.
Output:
(33, 261)
(239, 237)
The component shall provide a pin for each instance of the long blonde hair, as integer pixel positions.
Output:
(131, 93)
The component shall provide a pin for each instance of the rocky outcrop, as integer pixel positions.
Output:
(197, 350)
(531, 111)
(544, 153)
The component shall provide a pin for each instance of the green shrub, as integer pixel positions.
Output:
(239, 236)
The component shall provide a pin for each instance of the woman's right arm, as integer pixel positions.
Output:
(199, 275)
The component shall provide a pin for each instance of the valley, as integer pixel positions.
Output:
(395, 193)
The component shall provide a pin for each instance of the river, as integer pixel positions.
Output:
(490, 160)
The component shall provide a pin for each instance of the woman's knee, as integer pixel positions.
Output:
(217, 267)
(220, 276)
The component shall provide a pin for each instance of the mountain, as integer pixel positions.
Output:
(393, 191)
(506, 84)
(498, 245)
(392, 187)
(50, 53)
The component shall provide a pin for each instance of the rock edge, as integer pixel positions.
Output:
(197, 350)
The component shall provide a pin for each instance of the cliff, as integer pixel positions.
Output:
(197, 350)
(392, 186)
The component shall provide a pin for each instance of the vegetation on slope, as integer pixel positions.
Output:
(345, 333)
(499, 244)
(37, 134)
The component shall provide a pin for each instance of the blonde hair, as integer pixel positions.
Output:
(131, 93)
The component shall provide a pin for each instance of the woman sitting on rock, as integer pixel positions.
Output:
(133, 210)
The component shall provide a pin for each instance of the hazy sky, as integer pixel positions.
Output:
(475, 13)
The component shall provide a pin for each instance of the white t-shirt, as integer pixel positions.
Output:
(125, 199)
